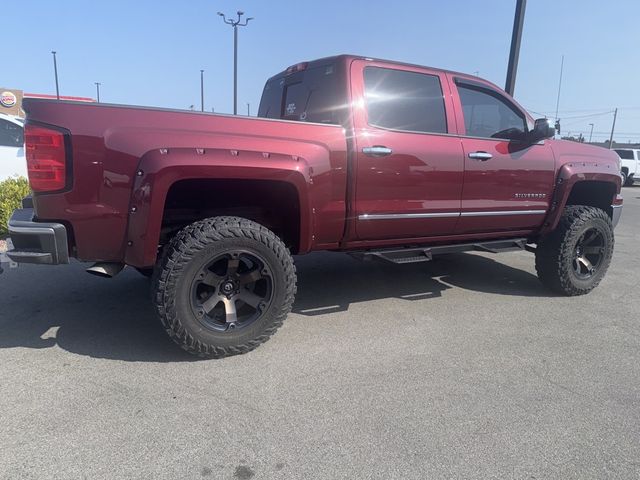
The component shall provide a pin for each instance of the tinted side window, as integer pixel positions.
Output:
(625, 154)
(271, 101)
(488, 115)
(312, 95)
(11, 135)
(401, 100)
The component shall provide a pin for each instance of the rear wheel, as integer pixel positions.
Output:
(224, 286)
(574, 258)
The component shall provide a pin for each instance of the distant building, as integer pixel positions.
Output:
(605, 144)
(11, 100)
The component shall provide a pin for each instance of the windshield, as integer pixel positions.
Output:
(625, 154)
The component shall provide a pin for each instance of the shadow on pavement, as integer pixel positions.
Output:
(114, 319)
(101, 318)
(331, 282)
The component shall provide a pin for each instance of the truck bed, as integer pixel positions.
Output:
(109, 141)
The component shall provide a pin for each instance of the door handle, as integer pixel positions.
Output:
(377, 151)
(481, 156)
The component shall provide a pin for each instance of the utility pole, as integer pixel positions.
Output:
(559, 86)
(591, 133)
(202, 90)
(514, 54)
(98, 90)
(248, 109)
(613, 127)
(235, 24)
(55, 72)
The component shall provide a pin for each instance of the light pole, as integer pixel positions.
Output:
(559, 86)
(98, 90)
(248, 109)
(591, 133)
(202, 90)
(514, 53)
(613, 127)
(55, 72)
(235, 24)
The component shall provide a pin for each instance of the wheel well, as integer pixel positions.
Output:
(625, 170)
(270, 203)
(593, 193)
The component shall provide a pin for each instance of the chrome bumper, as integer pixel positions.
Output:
(616, 211)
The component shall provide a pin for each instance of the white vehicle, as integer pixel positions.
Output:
(630, 169)
(12, 158)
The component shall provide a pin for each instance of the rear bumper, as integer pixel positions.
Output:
(616, 211)
(37, 242)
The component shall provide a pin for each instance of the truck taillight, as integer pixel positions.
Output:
(46, 158)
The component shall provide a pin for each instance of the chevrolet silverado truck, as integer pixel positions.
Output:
(380, 159)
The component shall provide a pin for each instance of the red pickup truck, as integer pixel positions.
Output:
(381, 159)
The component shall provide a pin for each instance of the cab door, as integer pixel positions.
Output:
(408, 165)
(508, 182)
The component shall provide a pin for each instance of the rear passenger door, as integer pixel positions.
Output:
(408, 166)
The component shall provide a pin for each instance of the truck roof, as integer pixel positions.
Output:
(347, 58)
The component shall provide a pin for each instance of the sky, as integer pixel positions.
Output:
(147, 52)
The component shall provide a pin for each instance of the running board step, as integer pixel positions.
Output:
(424, 254)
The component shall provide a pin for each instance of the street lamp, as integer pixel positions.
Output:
(591, 133)
(55, 72)
(235, 24)
(98, 90)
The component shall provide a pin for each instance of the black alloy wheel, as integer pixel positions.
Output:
(232, 291)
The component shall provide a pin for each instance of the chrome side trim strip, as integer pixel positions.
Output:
(404, 216)
(401, 216)
(503, 212)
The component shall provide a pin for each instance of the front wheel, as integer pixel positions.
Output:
(573, 259)
(224, 286)
(625, 179)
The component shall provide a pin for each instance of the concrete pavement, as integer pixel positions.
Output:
(465, 367)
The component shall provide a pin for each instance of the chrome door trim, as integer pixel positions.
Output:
(402, 216)
(503, 212)
(405, 216)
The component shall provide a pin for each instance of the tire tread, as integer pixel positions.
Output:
(557, 246)
(181, 250)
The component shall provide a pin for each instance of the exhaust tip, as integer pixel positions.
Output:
(105, 269)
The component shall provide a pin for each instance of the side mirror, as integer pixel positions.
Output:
(542, 129)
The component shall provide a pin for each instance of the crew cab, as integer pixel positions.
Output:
(380, 159)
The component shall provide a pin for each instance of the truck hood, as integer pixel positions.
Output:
(567, 151)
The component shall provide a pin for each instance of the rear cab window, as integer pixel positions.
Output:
(404, 100)
(314, 93)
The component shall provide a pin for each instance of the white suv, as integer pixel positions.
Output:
(630, 169)
(12, 159)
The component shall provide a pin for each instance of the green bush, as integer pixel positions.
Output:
(12, 191)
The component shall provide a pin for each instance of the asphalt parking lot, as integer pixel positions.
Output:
(462, 368)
